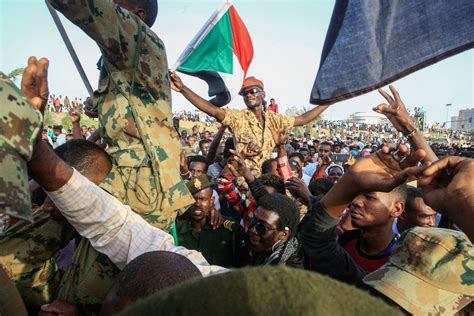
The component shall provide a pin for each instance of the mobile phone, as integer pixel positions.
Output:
(176, 123)
(340, 158)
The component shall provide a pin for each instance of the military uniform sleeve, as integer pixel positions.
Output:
(109, 25)
(323, 254)
(113, 228)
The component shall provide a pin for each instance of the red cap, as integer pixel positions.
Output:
(251, 82)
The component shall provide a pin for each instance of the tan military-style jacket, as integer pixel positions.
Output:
(246, 128)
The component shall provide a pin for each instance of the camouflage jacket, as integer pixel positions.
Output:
(134, 98)
(19, 127)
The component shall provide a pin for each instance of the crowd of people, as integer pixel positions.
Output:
(141, 218)
(60, 104)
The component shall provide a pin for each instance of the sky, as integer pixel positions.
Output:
(287, 36)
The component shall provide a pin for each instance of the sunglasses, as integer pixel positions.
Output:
(251, 91)
(261, 229)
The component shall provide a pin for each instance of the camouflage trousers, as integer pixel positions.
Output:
(138, 188)
(29, 256)
(88, 278)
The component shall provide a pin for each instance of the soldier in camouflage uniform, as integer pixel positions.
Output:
(430, 272)
(29, 251)
(19, 127)
(133, 101)
(134, 106)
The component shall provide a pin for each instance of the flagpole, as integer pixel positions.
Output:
(70, 48)
(203, 31)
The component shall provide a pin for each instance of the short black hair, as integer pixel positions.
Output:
(228, 145)
(401, 191)
(83, 155)
(199, 158)
(412, 194)
(273, 181)
(326, 143)
(295, 145)
(284, 207)
(267, 165)
(320, 186)
(297, 154)
(150, 273)
(203, 141)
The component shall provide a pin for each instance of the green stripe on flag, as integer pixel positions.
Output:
(215, 52)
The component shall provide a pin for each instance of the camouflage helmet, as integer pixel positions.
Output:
(19, 126)
(430, 271)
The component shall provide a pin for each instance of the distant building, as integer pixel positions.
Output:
(465, 121)
(368, 118)
(454, 123)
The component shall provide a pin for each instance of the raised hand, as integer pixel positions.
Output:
(89, 108)
(298, 190)
(325, 160)
(280, 136)
(447, 180)
(176, 83)
(34, 83)
(75, 115)
(395, 111)
(238, 167)
(183, 164)
(251, 150)
(383, 171)
(351, 160)
(449, 189)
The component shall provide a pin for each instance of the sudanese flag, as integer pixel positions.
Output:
(220, 54)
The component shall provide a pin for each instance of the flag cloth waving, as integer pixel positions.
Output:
(220, 54)
(372, 43)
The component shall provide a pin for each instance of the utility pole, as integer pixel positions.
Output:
(447, 114)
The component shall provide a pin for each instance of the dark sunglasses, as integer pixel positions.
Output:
(261, 229)
(251, 91)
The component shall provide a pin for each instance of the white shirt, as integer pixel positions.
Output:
(113, 228)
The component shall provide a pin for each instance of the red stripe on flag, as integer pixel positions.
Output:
(241, 41)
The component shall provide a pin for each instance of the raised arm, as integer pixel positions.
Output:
(377, 172)
(448, 180)
(202, 104)
(311, 115)
(75, 117)
(211, 155)
(397, 114)
(108, 24)
(112, 228)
